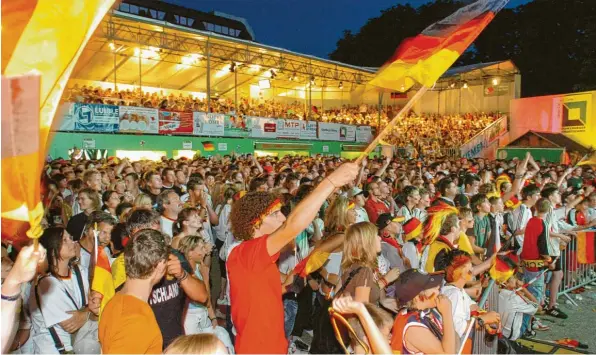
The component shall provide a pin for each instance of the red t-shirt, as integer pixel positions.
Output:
(375, 209)
(535, 244)
(255, 296)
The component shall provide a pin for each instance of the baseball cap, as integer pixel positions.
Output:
(355, 192)
(386, 218)
(411, 282)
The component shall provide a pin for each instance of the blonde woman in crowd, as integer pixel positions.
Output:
(200, 317)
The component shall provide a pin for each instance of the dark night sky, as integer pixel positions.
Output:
(305, 26)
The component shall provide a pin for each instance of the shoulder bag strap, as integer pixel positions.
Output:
(57, 342)
(350, 277)
(79, 277)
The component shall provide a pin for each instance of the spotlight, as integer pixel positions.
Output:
(452, 84)
(465, 86)
(403, 88)
(341, 85)
(232, 67)
(312, 80)
(496, 81)
(112, 45)
(273, 75)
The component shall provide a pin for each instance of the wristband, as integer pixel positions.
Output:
(212, 319)
(384, 282)
(11, 298)
(184, 276)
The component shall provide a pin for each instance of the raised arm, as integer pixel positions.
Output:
(306, 211)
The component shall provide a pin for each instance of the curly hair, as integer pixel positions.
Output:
(246, 210)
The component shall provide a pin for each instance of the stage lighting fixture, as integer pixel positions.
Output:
(273, 75)
(465, 86)
(341, 85)
(232, 67)
(312, 80)
(495, 81)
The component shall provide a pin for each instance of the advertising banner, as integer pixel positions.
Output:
(347, 133)
(263, 127)
(171, 122)
(138, 119)
(308, 130)
(208, 124)
(363, 134)
(95, 118)
(289, 129)
(237, 126)
(474, 148)
(66, 112)
(328, 131)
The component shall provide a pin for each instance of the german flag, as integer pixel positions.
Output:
(45, 37)
(426, 57)
(102, 278)
(208, 146)
(586, 246)
(503, 267)
(311, 263)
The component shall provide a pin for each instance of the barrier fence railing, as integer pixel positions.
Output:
(484, 343)
(577, 272)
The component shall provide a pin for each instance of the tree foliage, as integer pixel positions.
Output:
(552, 42)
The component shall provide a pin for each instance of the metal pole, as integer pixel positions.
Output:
(310, 101)
(236, 90)
(208, 77)
(140, 75)
(379, 107)
(115, 85)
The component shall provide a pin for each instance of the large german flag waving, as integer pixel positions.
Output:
(426, 57)
(41, 42)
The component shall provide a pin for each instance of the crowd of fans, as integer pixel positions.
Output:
(425, 132)
(398, 248)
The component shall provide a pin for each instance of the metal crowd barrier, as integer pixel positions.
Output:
(484, 343)
(575, 275)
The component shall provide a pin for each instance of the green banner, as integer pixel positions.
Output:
(553, 155)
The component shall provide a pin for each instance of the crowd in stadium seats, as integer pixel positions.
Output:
(425, 132)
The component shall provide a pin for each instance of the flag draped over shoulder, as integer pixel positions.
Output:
(586, 247)
(102, 278)
(426, 57)
(41, 38)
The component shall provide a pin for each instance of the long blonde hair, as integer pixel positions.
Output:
(360, 246)
(336, 215)
(204, 343)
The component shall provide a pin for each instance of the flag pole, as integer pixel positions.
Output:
(389, 126)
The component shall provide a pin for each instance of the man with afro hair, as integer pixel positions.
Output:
(255, 285)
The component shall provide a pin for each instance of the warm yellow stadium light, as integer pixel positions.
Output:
(190, 59)
(112, 46)
(496, 81)
(223, 71)
(140, 154)
(465, 86)
(150, 53)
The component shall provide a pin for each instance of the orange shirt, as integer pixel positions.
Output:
(128, 326)
(255, 296)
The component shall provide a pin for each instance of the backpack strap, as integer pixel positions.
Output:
(57, 342)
